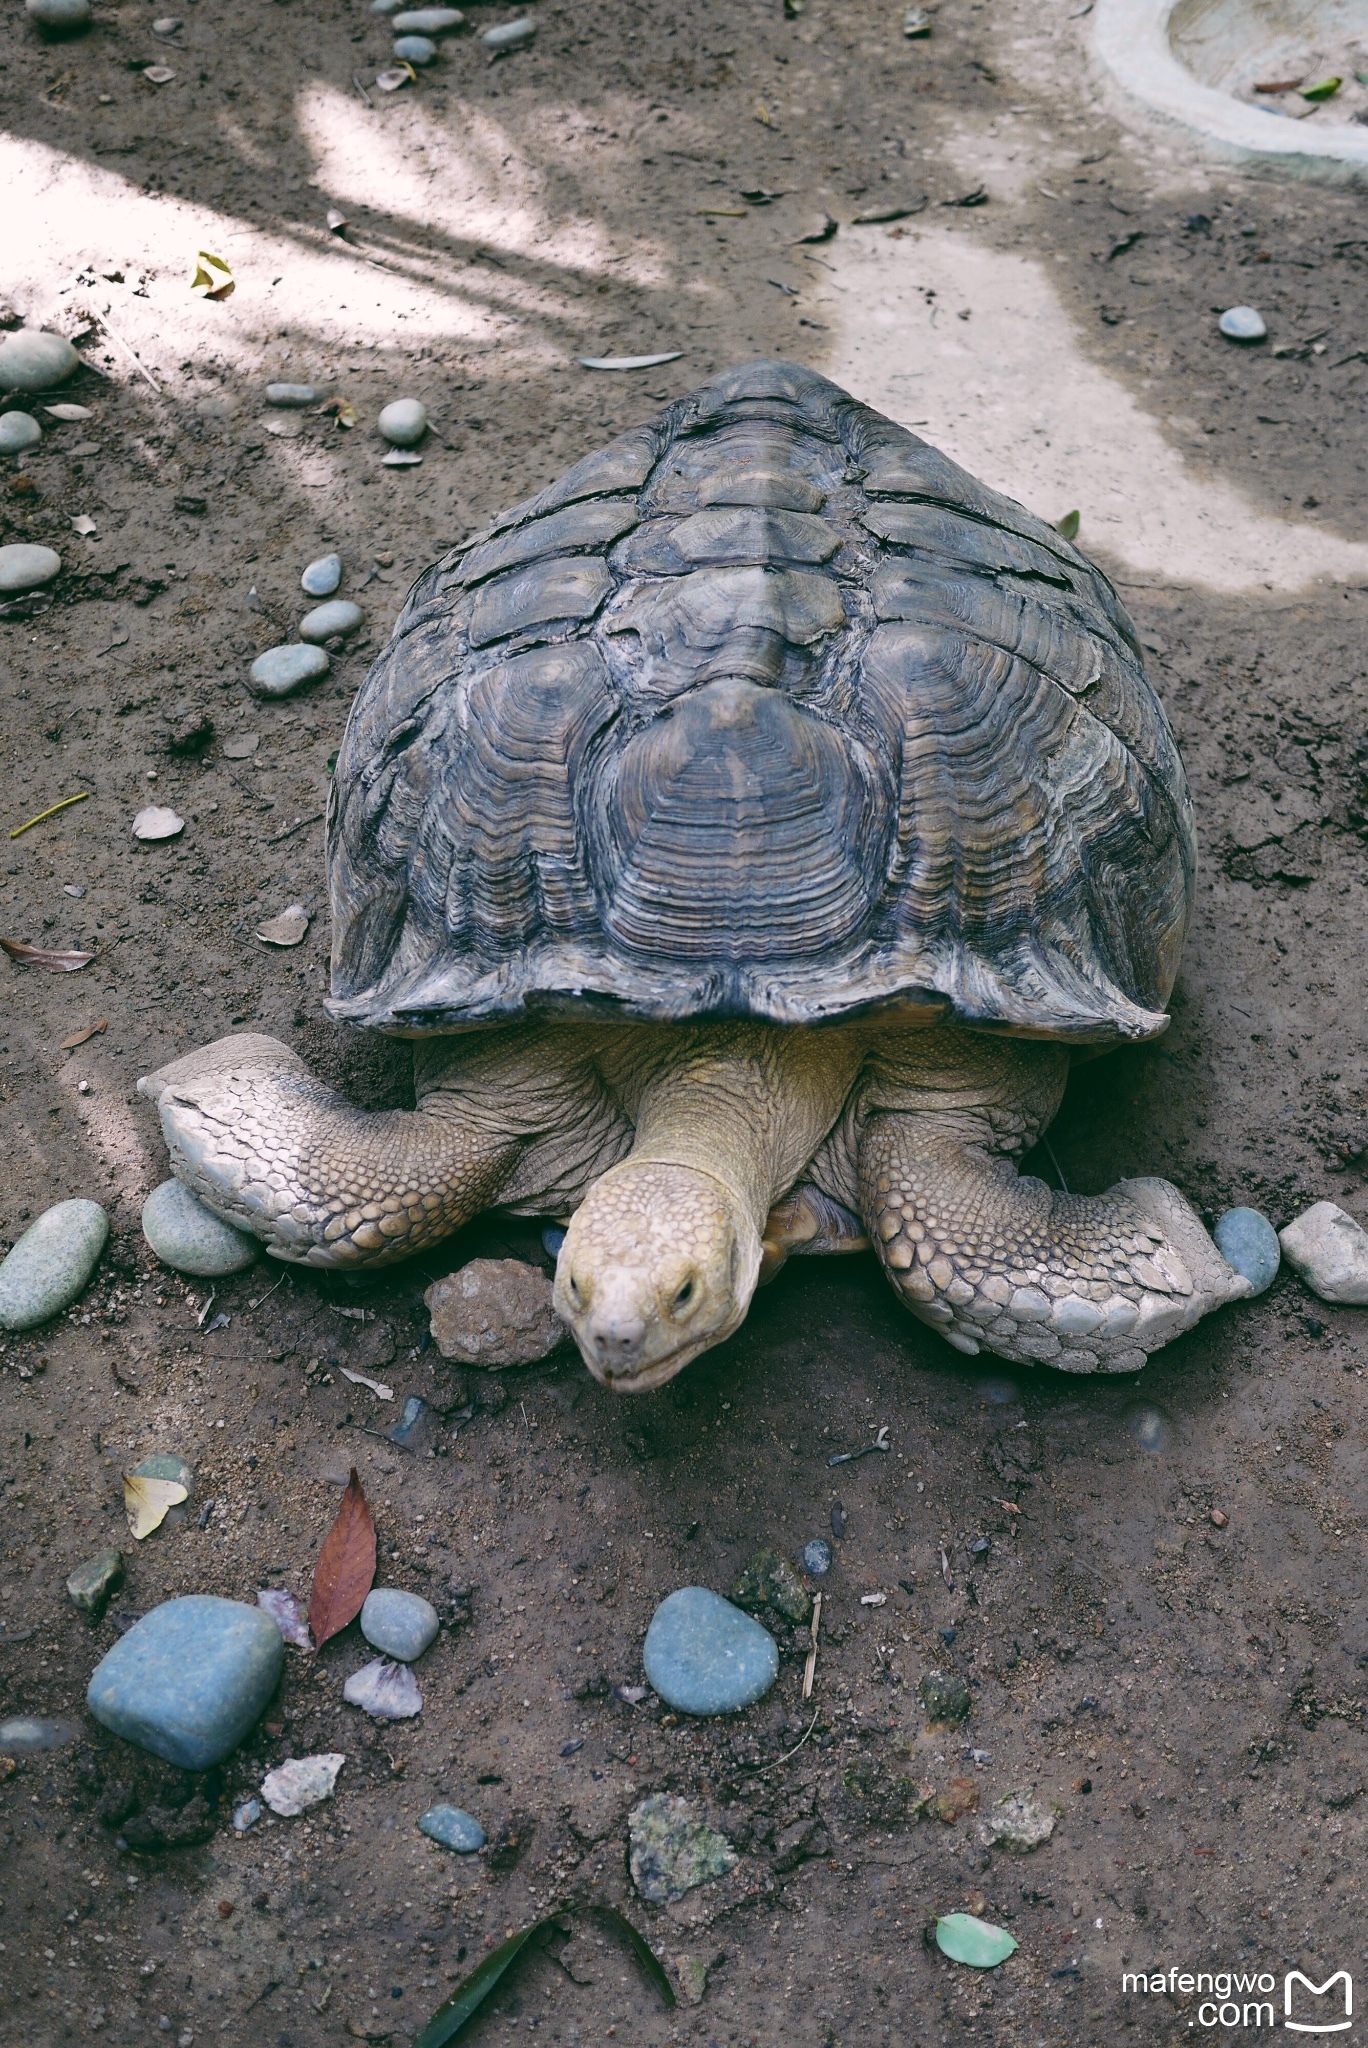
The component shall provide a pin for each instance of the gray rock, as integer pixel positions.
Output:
(494, 1312)
(509, 35)
(322, 577)
(24, 1735)
(383, 6)
(815, 1557)
(1248, 1242)
(24, 565)
(58, 17)
(427, 21)
(328, 621)
(1326, 1247)
(673, 1850)
(51, 1263)
(246, 1815)
(770, 1581)
(18, 431)
(186, 1235)
(415, 49)
(91, 1584)
(704, 1656)
(453, 1828)
(401, 1624)
(404, 422)
(33, 360)
(301, 1782)
(190, 1679)
(1018, 1821)
(385, 1691)
(1242, 323)
(946, 1698)
(293, 394)
(282, 669)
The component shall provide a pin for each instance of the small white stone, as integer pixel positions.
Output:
(23, 566)
(282, 669)
(415, 49)
(58, 14)
(1330, 1251)
(404, 422)
(33, 360)
(322, 577)
(327, 621)
(427, 21)
(400, 458)
(18, 431)
(301, 1782)
(1242, 323)
(509, 35)
(156, 822)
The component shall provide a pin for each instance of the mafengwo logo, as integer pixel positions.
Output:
(1326, 2008)
(1238, 1999)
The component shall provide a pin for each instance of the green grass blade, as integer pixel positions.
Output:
(641, 1949)
(467, 1999)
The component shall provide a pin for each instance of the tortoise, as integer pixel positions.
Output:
(748, 831)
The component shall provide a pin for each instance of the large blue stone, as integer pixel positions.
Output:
(190, 1679)
(1248, 1242)
(704, 1656)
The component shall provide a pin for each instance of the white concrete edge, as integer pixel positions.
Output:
(1130, 38)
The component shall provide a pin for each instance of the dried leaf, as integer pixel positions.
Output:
(346, 1566)
(286, 930)
(966, 1939)
(146, 1502)
(69, 412)
(212, 279)
(80, 1037)
(1067, 527)
(40, 956)
(287, 1614)
(387, 1691)
(343, 411)
(822, 232)
(358, 1379)
(628, 362)
(83, 523)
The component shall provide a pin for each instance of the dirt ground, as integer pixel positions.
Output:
(1191, 1697)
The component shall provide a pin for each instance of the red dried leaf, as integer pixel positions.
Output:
(39, 956)
(80, 1037)
(345, 1570)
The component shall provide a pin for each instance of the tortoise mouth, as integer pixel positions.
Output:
(644, 1379)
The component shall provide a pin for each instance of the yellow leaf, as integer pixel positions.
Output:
(212, 279)
(146, 1502)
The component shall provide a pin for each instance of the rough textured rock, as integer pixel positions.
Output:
(494, 1312)
(91, 1584)
(1330, 1251)
(1019, 1821)
(946, 1698)
(769, 1581)
(672, 1849)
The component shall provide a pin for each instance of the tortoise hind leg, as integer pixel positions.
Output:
(1001, 1263)
(269, 1148)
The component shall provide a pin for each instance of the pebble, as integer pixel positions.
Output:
(23, 566)
(189, 1680)
(383, 6)
(186, 1235)
(293, 394)
(401, 1624)
(400, 458)
(51, 1263)
(404, 422)
(322, 577)
(59, 14)
(770, 1581)
(672, 1849)
(509, 35)
(1326, 1247)
(1017, 1821)
(946, 1698)
(246, 1816)
(494, 1312)
(91, 1584)
(18, 431)
(157, 822)
(406, 1428)
(1242, 323)
(453, 1828)
(24, 1735)
(427, 21)
(288, 929)
(815, 1557)
(301, 1782)
(415, 49)
(553, 1237)
(704, 1656)
(282, 669)
(166, 1465)
(33, 360)
(387, 1692)
(327, 621)
(1248, 1242)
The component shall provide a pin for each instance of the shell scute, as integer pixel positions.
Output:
(566, 587)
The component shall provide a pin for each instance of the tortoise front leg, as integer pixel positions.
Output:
(270, 1149)
(995, 1261)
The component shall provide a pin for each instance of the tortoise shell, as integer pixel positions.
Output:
(765, 710)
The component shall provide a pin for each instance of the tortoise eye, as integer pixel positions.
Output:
(685, 1295)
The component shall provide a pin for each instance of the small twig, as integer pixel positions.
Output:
(274, 1985)
(810, 1668)
(199, 1320)
(880, 1443)
(297, 826)
(1059, 1175)
(50, 812)
(797, 1745)
(138, 365)
(269, 1292)
(356, 81)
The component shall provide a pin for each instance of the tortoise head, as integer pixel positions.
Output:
(659, 1262)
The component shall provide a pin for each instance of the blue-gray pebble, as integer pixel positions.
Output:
(51, 1263)
(453, 1828)
(427, 21)
(815, 1557)
(292, 394)
(18, 431)
(190, 1679)
(187, 1236)
(327, 621)
(401, 1624)
(166, 1465)
(1248, 1242)
(322, 577)
(282, 669)
(704, 1656)
(414, 49)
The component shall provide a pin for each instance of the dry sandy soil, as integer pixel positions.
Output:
(1191, 1697)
